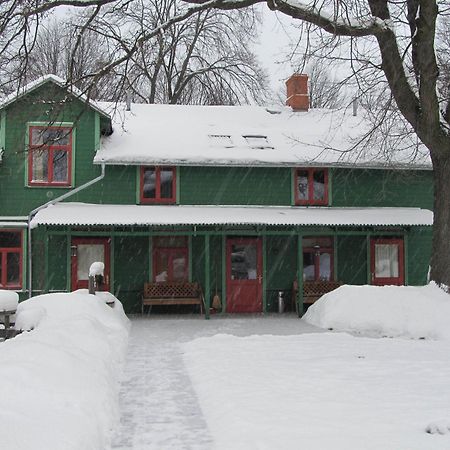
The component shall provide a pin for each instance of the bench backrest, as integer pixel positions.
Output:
(171, 290)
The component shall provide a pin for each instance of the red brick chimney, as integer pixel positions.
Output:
(297, 92)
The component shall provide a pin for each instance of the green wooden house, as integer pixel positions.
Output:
(248, 201)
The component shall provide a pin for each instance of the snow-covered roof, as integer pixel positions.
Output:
(246, 135)
(122, 215)
(11, 98)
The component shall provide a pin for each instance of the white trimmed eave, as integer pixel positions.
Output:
(228, 163)
(82, 214)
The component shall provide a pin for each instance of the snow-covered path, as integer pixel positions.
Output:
(159, 408)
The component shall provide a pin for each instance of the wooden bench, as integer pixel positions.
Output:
(172, 293)
(313, 290)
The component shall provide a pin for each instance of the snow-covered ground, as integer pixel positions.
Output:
(276, 382)
(59, 382)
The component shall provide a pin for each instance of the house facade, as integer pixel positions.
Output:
(246, 201)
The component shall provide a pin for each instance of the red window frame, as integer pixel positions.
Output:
(310, 200)
(51, 149)
(317, 253)
(395, 281)
(170, 251)
(4, 260)
(158, 198)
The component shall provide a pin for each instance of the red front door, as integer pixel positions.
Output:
(387, 261)
(244, 275)
(85, 251)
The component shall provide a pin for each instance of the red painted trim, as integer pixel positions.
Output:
(170, 250)
(259, 265)
(328, 250)
(157, 198)
(75, 284)
(398, 281)
(3, 255)
(310, 200)
(50, 149)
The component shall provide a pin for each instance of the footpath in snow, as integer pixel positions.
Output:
(159, 406)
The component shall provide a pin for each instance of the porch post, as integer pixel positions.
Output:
(264, 273)
(299, 299)
(46, 242)
(405, 258)
(112, 257)
(69, 260)
(207, 278)
(369, 269)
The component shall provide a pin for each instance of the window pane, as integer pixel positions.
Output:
(13, 268)
(309, 267)
(86, 255)
(9, 239)
(40, 165)
(149, 183)
(50, 136)
(243, 262)
(166, 177)
(302, 185)
(179, 266)
(319, 185)
(162, 266)
(386, 261)
(60, 165)
(325, 266)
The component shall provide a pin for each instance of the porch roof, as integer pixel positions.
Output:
(146, 215)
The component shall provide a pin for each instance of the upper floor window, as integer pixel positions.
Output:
(311, 186)
(10, 259)
(158, 184)
(50, 156)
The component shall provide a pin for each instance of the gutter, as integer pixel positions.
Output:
(53, 202)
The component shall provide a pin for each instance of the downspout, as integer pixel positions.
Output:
(53, 202)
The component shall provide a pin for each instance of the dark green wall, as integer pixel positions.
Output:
(352, 259)
(359, 187)
(419, 254)
(235, 185)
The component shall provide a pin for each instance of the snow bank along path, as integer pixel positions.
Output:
(402, 311)
(59, 382)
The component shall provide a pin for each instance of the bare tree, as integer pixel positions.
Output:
(205, 59)
(395, 40)
(324, 92)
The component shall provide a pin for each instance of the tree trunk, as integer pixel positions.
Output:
(440, 256)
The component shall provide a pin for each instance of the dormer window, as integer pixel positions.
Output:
(158, 184)
(50, 156)
(257, 141)
(221, 140)
(311, 186)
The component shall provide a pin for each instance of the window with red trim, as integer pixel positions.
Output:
(158, 184)
(10, 259)
(311, 186)
(318, 259)
(50, 156)
(170, 259)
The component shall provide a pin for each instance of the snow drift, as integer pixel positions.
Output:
(393, 311)
(59, 383)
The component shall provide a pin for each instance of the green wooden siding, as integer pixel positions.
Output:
(57, 263)
(235, 186)
(419, 254)
(131, 270)
(352, 259)
(358, 187)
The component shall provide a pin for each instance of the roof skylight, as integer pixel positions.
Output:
(221, 140)
(257, 141)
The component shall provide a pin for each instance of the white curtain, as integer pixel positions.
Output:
(386, 261)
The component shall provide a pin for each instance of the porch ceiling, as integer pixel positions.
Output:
(142, 215)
